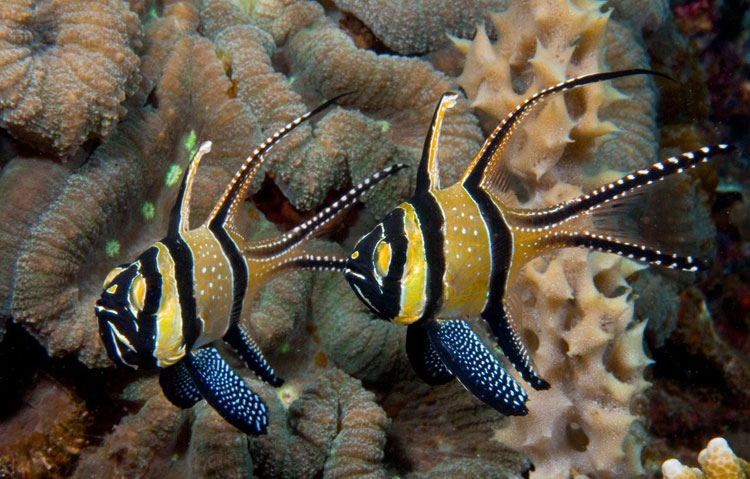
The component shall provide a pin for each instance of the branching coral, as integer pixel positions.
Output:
(65, 69)
(717, 461)
(410, 27)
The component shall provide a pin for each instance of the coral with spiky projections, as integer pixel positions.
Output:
(540, 44)
(66, 66)
(577, 320)
(717, 461)
(411, 27)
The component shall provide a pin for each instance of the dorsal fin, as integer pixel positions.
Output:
(487, 156)
(307, 229)
(236, 191)
(428, 175)
(179, 218)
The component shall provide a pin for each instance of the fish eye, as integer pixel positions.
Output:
(382, 257)
(137, 293)
(355, 255)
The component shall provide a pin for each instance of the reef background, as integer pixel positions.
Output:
(102, 101)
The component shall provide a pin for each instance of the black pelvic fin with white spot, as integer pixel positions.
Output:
(226, 392)
(178, 386)
(478, 370)
(423, 357)
(501, 325)
(325, 217)
(243, 344)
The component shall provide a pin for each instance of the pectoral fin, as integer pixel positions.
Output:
(226, 392)
(464, 354)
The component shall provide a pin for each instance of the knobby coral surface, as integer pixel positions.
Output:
(333, 428)
(233, 72)
(65, 69)
(717, 461)
(410, 27)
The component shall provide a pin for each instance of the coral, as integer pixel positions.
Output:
(559, 40)
(577, 320)
(444, 432)
(43, 439)
(717, 461)
(642, 15)
(65, 69)
(333, 428)
(413, 27)
(18, 183)
(357, 342)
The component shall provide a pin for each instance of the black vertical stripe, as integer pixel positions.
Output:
(431, 224)
(145, 339)
(184, 271)
(239, 269)
(500, 246)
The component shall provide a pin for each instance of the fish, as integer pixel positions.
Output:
(451, 253)
(164, 309)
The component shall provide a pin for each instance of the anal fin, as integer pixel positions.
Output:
(178, 386)
(424, 359)
(478, 370)
(501, 324)
(226, 392)
(243, 344)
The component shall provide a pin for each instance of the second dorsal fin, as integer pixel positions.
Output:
(229, 202)
(428, 175)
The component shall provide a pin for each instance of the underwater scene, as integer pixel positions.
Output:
(375, 239)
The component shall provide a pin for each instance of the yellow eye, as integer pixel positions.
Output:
(382, 257)
(355, 255)
(138, 292)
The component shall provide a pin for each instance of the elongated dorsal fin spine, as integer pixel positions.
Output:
(617, 189)
(307, 229)
(179, 219)
(236, 191)
(492, 146)
(428, 174)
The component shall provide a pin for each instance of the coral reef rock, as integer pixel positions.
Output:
(410, 26)
(717, 461)
(44, 438)
(66, 66)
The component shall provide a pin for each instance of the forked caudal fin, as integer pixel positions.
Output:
(284, 243)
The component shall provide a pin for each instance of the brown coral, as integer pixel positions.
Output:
(65, 69)
(334, 428)
(43, 439)
(411, 27)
